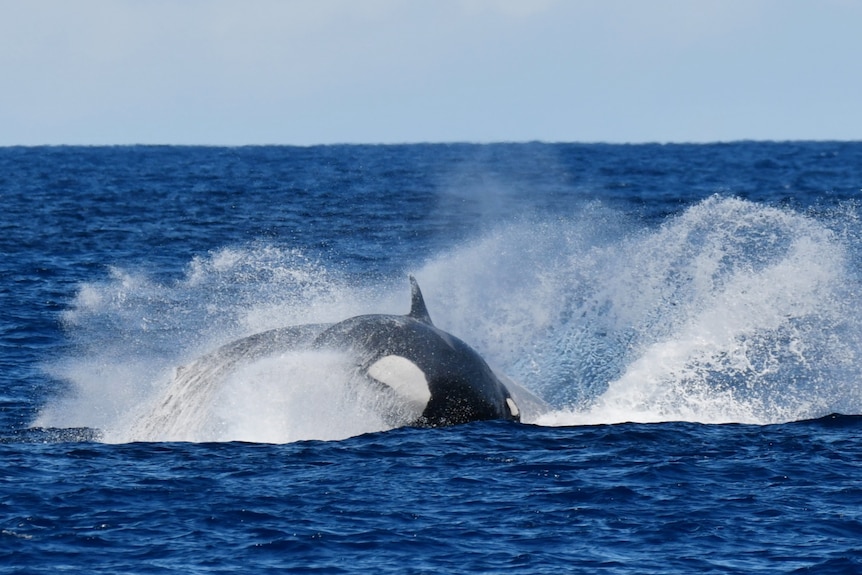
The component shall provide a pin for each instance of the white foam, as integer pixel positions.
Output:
(729, 311)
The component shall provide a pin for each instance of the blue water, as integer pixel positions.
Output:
(691, 314)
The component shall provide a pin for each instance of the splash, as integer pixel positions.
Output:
(277, 399)
(730, 311)
(135, 338)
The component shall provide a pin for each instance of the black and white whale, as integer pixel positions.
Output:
(426, 365)
(434, 378)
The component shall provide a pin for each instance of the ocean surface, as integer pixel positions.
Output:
(691, 315)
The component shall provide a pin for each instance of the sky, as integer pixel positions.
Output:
(305, 72)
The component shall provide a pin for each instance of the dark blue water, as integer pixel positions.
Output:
(691, 314)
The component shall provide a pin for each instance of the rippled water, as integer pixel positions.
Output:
(708, 295)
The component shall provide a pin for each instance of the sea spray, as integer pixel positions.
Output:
(130, 333)
(727, 311)
(280, 398)
(737, 312)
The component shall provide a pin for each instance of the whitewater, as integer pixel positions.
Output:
(728, 312)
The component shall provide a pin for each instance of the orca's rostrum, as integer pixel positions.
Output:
(424, 376)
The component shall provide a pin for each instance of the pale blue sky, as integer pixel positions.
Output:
(325, 71)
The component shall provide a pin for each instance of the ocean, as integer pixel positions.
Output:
(690, 315)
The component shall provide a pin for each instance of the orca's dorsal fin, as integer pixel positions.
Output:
(418, 311)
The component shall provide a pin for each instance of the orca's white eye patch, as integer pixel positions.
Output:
(513, 407)
(404, 377)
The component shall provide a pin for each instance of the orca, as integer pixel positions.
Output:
(429, 367)
(433, 378)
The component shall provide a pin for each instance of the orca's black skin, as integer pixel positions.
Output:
(463, 387)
